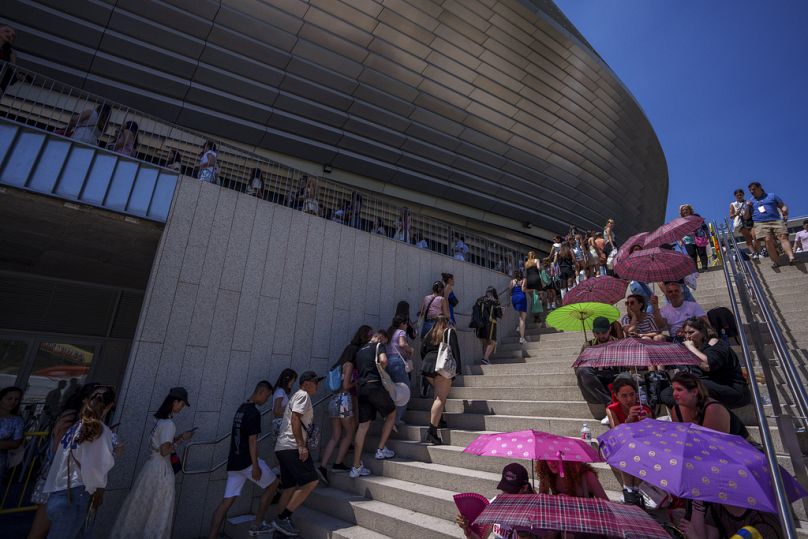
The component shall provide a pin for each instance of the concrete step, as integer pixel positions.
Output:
(576, 408)
(312, 525)
(528, 366)
(558, 392)
(567, 377)
(384, 518)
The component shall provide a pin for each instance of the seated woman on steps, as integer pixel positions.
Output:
(514, 481)
(580, 479)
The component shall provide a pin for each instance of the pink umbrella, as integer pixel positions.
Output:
(533, 445)
(673, 231)
(633, 241)
(634, 352)
(602, 289)
(655, 265)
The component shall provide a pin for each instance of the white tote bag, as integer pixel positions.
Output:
(446, 365)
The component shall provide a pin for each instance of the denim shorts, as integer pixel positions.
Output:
(340, 405)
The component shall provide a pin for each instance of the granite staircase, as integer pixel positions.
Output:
(526, 386)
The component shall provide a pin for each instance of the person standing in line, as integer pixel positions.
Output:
(770, 214)
(280, 398)
(490, 312)
(78, 473)
(126, 139)
(341, 412)
(432, 306)
(399, 362)
(441, 385)
(740, 211)
(298, 473)
(373, 399)
(11, 424)
(243, 463)
(609, 237)
(148, 511)
(89, 125)
(448, 293)
(519, 301)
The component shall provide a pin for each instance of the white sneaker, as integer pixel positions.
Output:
(384, 453)
(356, 472)
(522, 340)
(605, 421)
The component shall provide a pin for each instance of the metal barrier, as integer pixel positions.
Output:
(736, 270)
(44, 103)
(16, 495)
(186, 454)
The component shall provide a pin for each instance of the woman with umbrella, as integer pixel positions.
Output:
(578, 479)
(637, 322)
(696, 243)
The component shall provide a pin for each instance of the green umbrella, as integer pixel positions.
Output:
(579, 316)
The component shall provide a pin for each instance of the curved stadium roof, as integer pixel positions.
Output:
(499, 105)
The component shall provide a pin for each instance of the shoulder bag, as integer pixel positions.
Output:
(387, 382)
(446, 365)
(422, 316)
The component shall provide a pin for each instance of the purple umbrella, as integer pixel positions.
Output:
(602, 289)
(654, 265)
(673, 231)
(696, 463)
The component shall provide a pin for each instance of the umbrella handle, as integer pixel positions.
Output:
(560, 456)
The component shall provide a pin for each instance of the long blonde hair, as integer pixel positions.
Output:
(92, 413)
(436, 333)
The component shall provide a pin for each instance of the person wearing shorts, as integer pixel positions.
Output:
(244, 465)
(298, 474)
(373, 399)
(769, 213)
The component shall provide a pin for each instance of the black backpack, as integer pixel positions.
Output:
(477, 318)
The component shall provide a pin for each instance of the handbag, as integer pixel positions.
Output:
(419, 325)
(535, 303)
(387, 382)
(176, 463)
(610, 259)
(334, 378)
(446, 365)
(701, 241)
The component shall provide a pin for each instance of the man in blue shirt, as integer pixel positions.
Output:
(769, 213)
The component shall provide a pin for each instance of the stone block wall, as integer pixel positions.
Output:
(241, 289)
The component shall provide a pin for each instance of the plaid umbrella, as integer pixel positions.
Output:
(696, 463)
(636, 239)
(603, 289)
(673, 231)
(570, 514)
(655, 265)
(634, 352)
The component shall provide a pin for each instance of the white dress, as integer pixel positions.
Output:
(148, 511)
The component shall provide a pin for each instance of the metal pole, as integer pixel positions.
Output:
(784, 507)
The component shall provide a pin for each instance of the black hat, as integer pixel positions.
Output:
(179, 393)
(310, 376)
(601, 324)
(514, 477)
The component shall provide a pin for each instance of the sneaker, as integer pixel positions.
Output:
(340, 467)
(383, 453)
(522, 340)
(285, 526)
(356, 472)
(484, 361)
(322, 473)
(633, 497)
(262, 529)
(605, 421)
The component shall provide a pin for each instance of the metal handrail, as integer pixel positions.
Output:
(785, 513)
(222, 438)
(36, 100)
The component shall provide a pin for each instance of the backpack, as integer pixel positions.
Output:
(334, 378)
(477, 319)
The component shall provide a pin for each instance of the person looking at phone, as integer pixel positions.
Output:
(627, 409)
(148, 510)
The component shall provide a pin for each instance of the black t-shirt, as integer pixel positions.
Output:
(366, 363)
(725, 369)
(246, 422)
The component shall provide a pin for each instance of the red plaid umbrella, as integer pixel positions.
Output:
(634, 352)
(569, 514)
(636, 239)
(603, 289)
(673, 231)
(655, 265)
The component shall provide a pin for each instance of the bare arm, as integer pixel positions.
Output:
(594, 486)
(404, 346)
(716, 417)
(347, 371)
(732, 212)
(444, 308)
(703, 365)
(277, 407)
(383, 360)
(297, 432)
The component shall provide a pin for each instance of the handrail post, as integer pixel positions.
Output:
(784, 506)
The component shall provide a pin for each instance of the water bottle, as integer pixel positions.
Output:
(586, 432)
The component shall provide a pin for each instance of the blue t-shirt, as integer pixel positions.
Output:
(770, 204)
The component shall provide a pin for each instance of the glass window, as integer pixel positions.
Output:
(58, 372)
(12, 358)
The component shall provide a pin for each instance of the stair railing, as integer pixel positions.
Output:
(732, 258)
(212, 443)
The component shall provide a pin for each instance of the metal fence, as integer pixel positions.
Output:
(15, 495)
(33, 99)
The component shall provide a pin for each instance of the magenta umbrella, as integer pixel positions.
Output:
(696, 463)
(673, 231)
(655, 265)
(533, 445)
(634, 352)
(602, 289)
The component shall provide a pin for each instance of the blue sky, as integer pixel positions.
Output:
(725, 85)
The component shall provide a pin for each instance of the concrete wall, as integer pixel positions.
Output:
(241, 289)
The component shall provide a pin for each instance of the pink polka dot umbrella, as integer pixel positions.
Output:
(533, 445)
